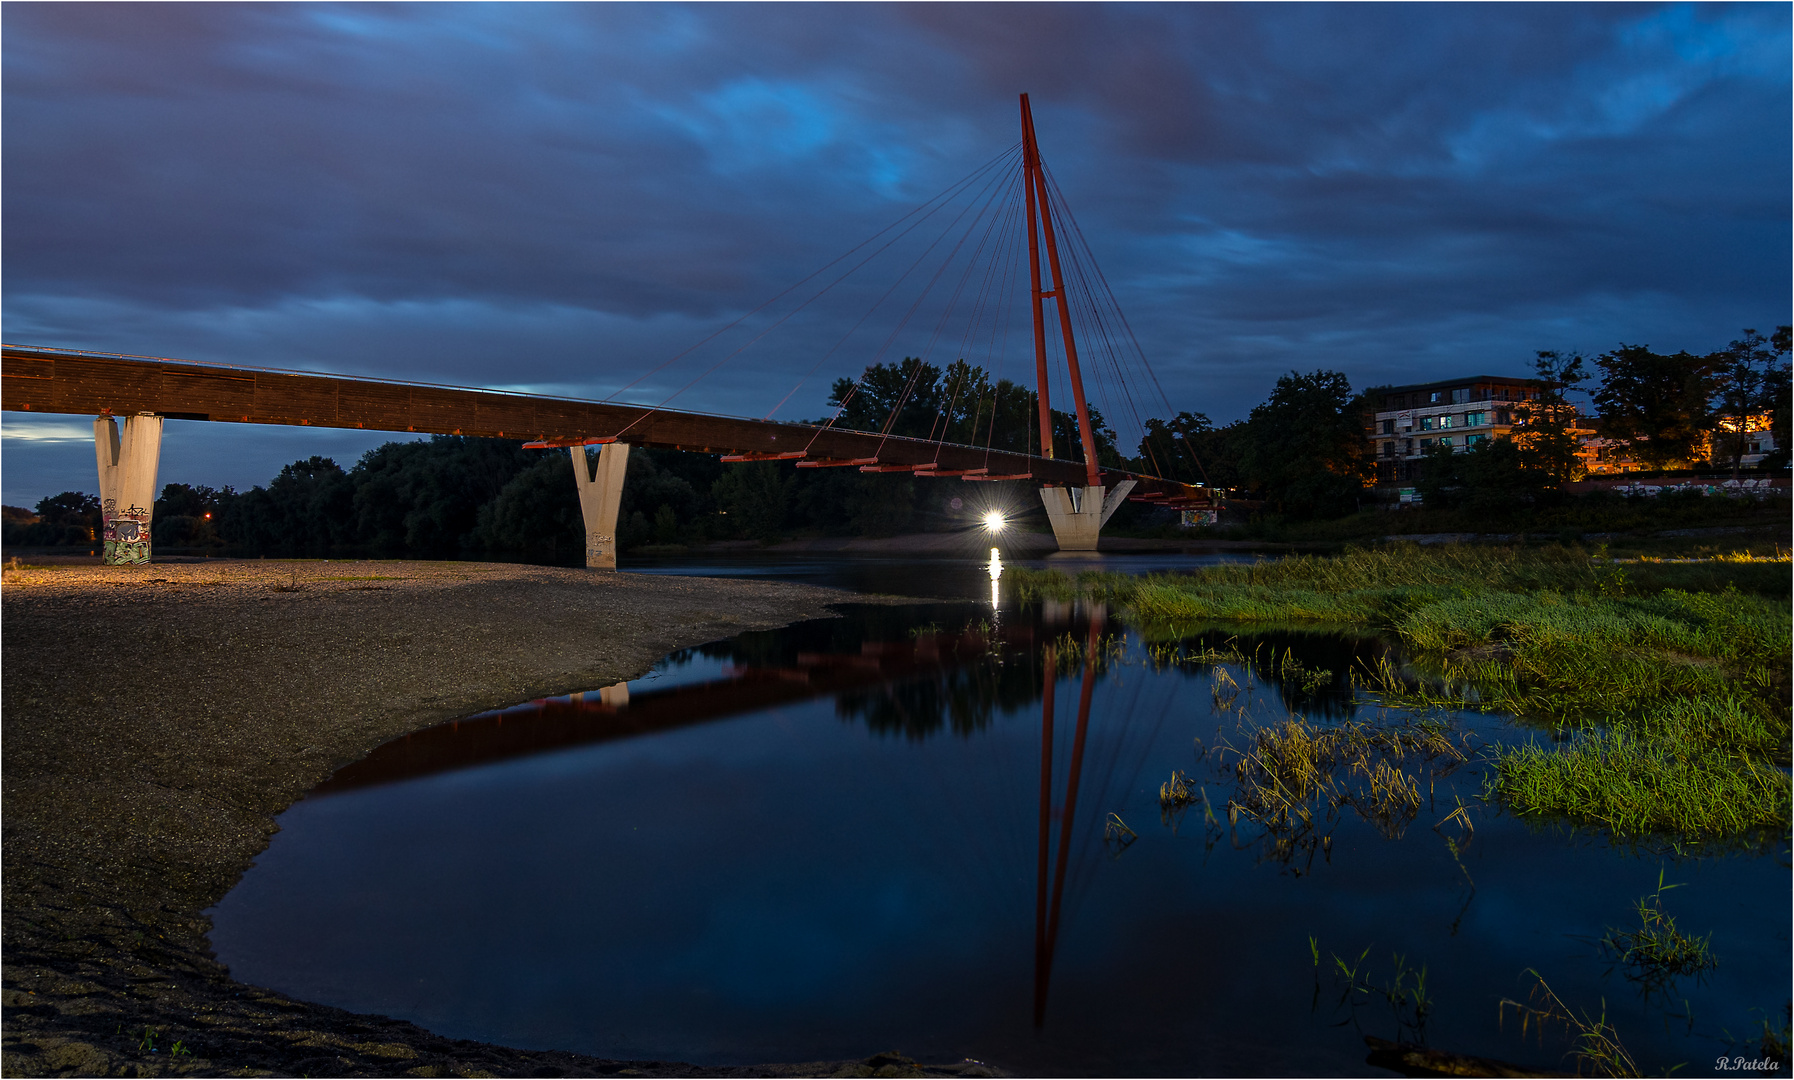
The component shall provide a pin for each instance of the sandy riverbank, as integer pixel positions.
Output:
(157, 719)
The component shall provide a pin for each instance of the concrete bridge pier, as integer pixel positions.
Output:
(127, 484)
(1078, 514)
(600, 496)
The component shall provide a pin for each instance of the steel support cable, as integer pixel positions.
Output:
(854, 390)
(1144, 362)
(972, 264)
(946, 313)
(1009, 310)
(1121, 317)
(1122, 738)
(998, 346)
(1090, 313)
(943, 195)
(964, 368)
(996, 391)
(1059, 380)
(1059, 377)
(909, 386)
(869, 312)
(1006, 309)
(707, 372)
(968, 340)
(854, 329)
(1109, 742)
(775, 325)
(1094, 335)
(973, 320)
(1109, 295)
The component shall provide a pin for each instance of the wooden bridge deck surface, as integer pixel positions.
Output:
(40, 380)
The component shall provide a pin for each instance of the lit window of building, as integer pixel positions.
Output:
(1440, 406)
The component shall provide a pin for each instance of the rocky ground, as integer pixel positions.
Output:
(155, 721)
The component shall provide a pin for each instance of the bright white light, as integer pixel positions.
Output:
(994, 521)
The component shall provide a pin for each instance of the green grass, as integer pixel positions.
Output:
(1637, 787)
(1680, 694)
(1656, 953)
(1766, 576)
(1292, 780)
(1594, 1043)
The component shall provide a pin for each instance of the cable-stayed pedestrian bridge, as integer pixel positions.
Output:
(142, 391)
(1001, 234)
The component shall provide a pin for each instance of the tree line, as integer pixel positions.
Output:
(1302, 453)
(1306, 452)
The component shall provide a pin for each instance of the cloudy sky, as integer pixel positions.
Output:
(561, 198)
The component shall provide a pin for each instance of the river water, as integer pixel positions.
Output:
(937, 829)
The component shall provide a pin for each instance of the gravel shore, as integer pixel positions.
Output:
(158, 718)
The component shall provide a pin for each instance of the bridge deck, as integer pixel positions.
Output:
(41, 380)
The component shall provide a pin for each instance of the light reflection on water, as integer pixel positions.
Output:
(851, 835)
(934, 578)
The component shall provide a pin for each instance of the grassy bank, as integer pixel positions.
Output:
(1672, 677)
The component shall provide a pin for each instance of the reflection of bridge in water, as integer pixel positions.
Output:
(1079, 494)
(563, 723)
(551, 725)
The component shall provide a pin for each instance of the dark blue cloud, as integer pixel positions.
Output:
(562, 197)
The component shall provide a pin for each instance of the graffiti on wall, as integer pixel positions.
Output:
(127, 533)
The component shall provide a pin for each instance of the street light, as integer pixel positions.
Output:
(994, 521)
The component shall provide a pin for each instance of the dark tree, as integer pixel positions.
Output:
(961, 405)
(1748, 381)
(75, 508)
(1492, 478)
(422, 499)
(904, 399)
(536, 515)
(1546, 426)
(757, 497)
(1777, 389)
(73, 517)
(306, 510)
(186, 516)
(1657, 405)
(1305, 446)
(649, 488)
(1169, 449)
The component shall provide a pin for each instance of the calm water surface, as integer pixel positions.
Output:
(934, 578)
(827, 840)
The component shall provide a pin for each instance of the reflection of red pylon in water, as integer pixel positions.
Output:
(1046, 916)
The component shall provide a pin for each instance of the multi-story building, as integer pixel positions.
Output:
(1459, 413)
(1456, 413)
